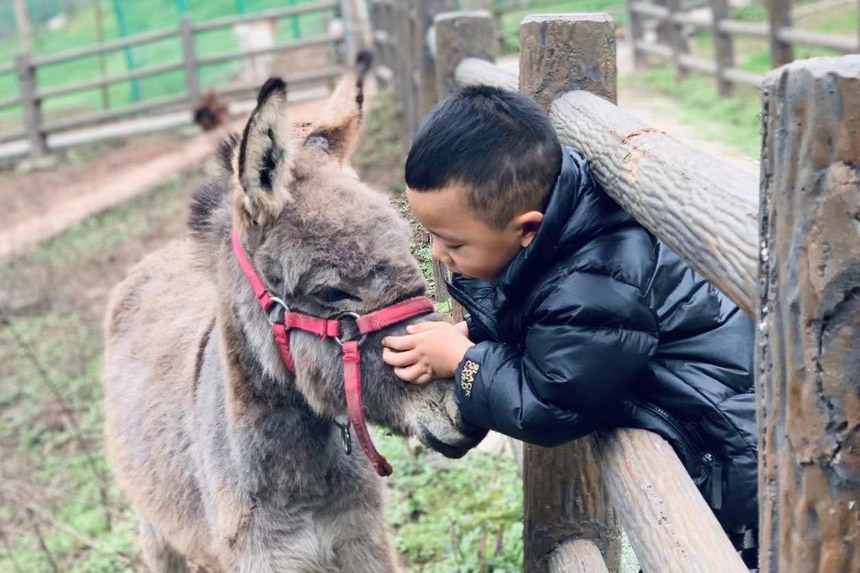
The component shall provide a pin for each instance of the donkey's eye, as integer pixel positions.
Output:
(332, 294)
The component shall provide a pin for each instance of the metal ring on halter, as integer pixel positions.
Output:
(354, 316)
(278, 302)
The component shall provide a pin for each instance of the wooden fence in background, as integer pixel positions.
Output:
(805, 247)
(671, 46)
(31, 97)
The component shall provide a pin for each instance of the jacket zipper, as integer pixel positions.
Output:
(707, 459)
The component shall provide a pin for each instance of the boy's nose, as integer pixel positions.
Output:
(440, 253)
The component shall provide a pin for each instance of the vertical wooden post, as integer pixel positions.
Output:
(22, 23)
(459, 35)
(808, 347)
(349, 30)
(724, 51)
(779, 16)
(403, 69)
(190, 55)
(565, 495)
(676, 38)
(31, 106)
(636, 32)
(427, 94)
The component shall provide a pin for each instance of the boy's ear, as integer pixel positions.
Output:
(261, 163)
(338, 130)
(527, 225)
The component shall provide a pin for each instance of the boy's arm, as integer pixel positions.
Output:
(587, 342)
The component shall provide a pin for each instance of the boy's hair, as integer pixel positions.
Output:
(499, 145)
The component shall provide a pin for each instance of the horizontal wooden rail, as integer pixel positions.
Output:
(694, 20)
(653, 49)
(7, 69)
(670, 527)
(291, 80)
(651, 10)
(106, 47)
(10, 102)
(265, 15)
(579, 556)
(743, 77)
(702, 208)
(13, 135)
(119, 78)
(841, 43)
(383, 37)
(698, 64)
(738, 28)
(115, 113)
(473, 71)
(286, 47)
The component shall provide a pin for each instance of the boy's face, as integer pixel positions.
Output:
(465, 243)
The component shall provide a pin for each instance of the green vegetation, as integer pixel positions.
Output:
(54, 475)
(734, 121)
(142, 16)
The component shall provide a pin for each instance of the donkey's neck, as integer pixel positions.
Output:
(280, 441)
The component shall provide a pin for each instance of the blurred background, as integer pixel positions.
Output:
(109, 111)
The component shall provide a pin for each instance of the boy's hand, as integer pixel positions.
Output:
(430, 350)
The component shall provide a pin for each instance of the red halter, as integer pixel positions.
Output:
(330, 328)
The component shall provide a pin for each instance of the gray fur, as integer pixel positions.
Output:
(231, 461)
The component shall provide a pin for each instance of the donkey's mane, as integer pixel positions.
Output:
(210, 201)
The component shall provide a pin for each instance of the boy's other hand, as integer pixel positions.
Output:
(430, 350)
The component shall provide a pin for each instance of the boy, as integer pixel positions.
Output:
(579, 319)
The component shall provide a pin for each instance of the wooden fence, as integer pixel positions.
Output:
(804, 246)
(672, 46)
(31, 96)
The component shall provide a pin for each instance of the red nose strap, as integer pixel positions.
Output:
(330, 328)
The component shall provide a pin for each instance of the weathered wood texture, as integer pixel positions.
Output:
(580, 556)
(702, 208)
(461, 35)
(808, 348)
(565, 495)
(565, 499)
(671, 528)
(560, 53)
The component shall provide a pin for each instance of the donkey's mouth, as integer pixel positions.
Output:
(450, 450)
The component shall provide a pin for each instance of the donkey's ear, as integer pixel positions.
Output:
(338, 130)
(262, 168)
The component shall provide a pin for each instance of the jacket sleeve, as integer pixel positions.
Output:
(586, 342)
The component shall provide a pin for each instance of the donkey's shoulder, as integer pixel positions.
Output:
(153, 285)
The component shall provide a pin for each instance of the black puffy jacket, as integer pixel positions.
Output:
(597, 325)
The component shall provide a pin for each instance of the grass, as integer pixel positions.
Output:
(54, 474)
(734, 121)
(142, 16)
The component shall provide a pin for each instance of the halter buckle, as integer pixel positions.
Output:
(345, 437)
(279, 305)
(354, 316)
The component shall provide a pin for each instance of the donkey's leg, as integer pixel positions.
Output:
(158, 555)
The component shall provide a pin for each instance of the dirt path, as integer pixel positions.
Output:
(40, 206)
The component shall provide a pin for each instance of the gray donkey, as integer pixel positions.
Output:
(232, 460)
